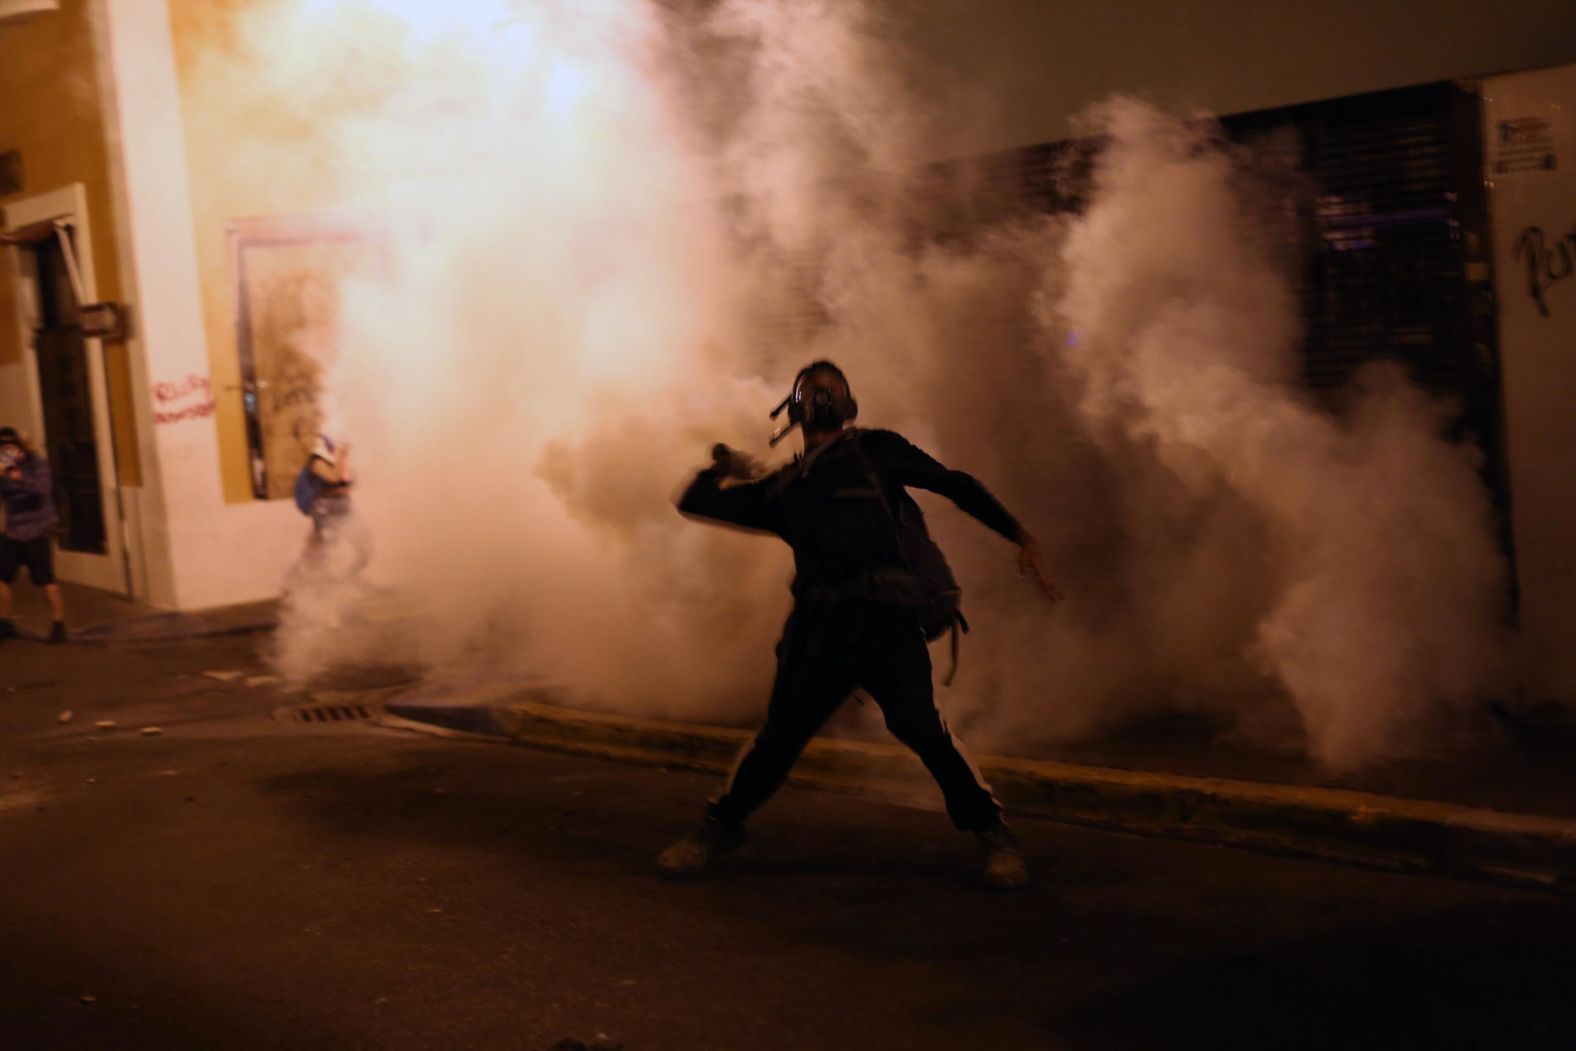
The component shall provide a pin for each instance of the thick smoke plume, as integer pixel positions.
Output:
(1374, 560)
(611, 232)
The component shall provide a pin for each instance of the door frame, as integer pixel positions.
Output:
(276, 231)
(24, 219)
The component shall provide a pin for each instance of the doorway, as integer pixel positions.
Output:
(52, 273)
(289, 271)
(65, 394)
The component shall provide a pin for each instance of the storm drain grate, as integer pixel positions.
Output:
(333, 713)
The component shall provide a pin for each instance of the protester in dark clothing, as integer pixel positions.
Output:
(857, 615)
(27, 493)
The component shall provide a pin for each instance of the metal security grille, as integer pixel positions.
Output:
(1391, 231)
(1395, 250)
(1387, 230)
(1389, 242)
(961, 198)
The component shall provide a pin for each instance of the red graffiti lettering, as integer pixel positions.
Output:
(176, 390)
(173, 390)
(191, 412)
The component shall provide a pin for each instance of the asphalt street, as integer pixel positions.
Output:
(242, 879)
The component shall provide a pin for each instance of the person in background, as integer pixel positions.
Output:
(322, 492)
(27, 538)
(327, 480)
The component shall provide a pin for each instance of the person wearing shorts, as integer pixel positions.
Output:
(27, 537)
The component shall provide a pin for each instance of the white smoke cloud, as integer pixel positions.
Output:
(1384, 581)
(533, 366)
(589, 206)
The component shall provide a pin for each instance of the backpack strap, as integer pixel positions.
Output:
(960, 624)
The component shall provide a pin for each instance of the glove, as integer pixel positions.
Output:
(730, 463)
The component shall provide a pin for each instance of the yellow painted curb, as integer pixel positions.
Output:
(1326, 823)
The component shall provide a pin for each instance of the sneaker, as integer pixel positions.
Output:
(1005, 868)
(7, 629)
(689, 855)
(57, 633)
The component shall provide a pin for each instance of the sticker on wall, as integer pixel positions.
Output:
(1523, 144)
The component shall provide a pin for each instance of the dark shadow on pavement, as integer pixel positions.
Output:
(1439, 980)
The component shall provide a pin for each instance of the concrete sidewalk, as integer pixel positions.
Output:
(98, 616)
(1398, 832)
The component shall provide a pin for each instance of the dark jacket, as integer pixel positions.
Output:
(827, 510)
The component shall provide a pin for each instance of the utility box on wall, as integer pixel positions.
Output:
(1529, 161)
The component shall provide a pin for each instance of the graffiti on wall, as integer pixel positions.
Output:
(1544, 262)
(185, 399)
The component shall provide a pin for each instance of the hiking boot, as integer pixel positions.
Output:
(689, 855)
(57, 633)
(1005, 868)
(7, 629)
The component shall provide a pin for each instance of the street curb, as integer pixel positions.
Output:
(172, 625)
(102, 635)
(1328, 824)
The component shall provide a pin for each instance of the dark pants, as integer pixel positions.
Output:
(826, 653)
(37, 555)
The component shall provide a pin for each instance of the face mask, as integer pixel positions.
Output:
(815, 407)
(823, 408)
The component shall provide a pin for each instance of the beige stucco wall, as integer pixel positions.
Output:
(1533, 209)
(246, 159)
(51, 110)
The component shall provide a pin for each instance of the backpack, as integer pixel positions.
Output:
(307, 488)
(936, 594)
(926, 581)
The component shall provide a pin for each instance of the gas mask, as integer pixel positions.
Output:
(817, 407)
(821, 408)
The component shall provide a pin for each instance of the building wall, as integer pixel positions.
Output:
(212, 552)
(1000, 75)
(1530, 162)
(51, 111)
(246, 160)
(170, 149)
(200, 148)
